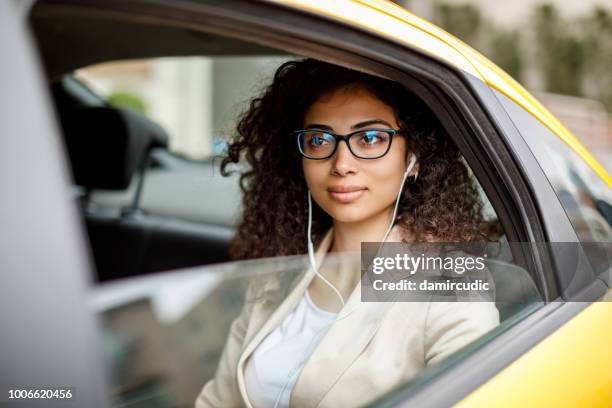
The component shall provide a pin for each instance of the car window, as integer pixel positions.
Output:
(587, 200)
(584, 196)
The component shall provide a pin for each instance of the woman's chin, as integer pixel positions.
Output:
(348, 213)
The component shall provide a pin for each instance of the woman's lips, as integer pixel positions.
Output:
(346, 194)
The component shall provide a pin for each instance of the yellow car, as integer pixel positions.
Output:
(70, 324)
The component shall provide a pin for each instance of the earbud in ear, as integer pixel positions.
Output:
(411, 164)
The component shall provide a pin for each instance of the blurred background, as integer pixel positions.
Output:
(560, 51)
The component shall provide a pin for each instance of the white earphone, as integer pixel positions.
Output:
(313, 261)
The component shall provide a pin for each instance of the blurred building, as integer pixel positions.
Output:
(586, 119)
(503, 13)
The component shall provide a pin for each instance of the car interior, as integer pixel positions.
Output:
(109, 149)
(116, 153)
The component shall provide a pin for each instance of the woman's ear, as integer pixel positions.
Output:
(415, 169)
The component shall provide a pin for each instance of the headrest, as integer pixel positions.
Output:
(106, 145)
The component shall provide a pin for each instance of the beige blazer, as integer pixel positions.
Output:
(368, 350)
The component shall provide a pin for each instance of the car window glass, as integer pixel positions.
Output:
(585, 197)
(163, 336)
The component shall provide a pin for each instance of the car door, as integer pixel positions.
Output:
(497, 153)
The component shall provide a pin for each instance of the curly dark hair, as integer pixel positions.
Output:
(441, 205)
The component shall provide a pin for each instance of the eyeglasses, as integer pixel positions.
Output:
(316, 144)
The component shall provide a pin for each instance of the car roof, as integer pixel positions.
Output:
(395, 23)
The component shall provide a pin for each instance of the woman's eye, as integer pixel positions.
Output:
(318, 140)
(370, 138)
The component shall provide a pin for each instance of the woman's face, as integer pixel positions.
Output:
(347, 188)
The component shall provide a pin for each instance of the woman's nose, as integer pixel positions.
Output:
(343, 161)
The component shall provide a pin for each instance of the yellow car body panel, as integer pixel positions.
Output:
(391, 21)
(570, 368)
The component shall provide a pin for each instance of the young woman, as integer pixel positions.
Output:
(338, 157)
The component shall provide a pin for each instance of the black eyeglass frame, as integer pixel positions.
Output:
(345, 138)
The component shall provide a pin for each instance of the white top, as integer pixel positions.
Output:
(274, 367)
